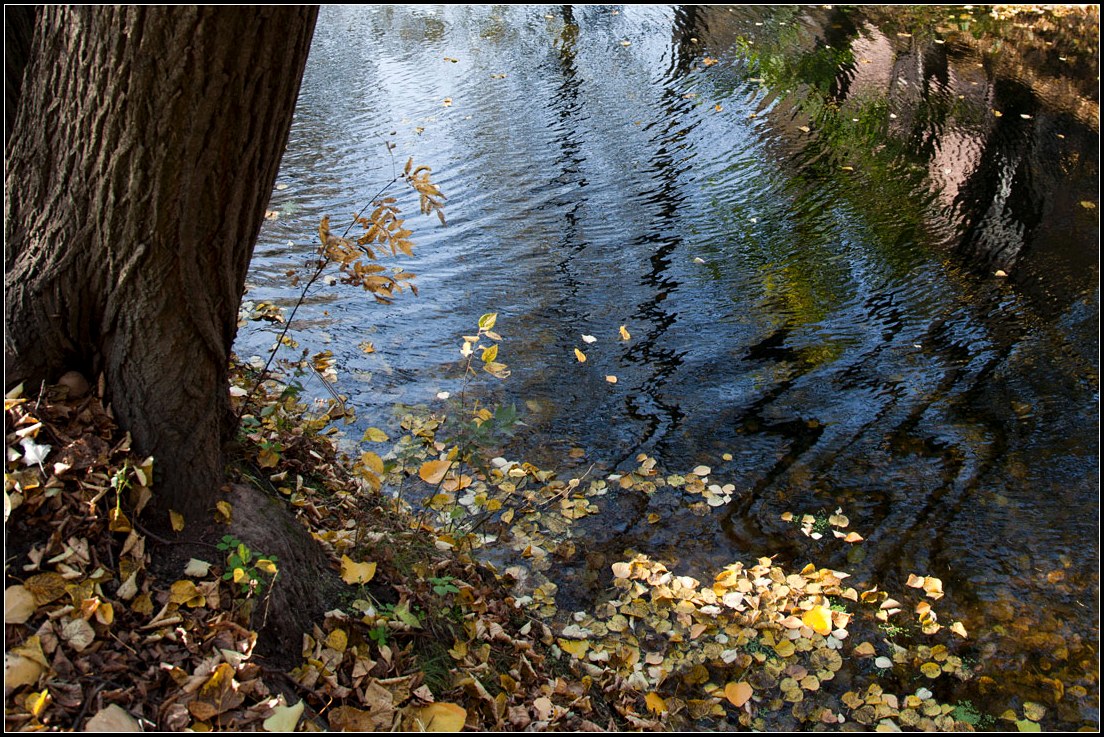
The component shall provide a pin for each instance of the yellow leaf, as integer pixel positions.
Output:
(338, 640)
(580, 356)
(266, 566)
(738, 693)
(578, 648)
(176, 519)
(959, 629)
(21, 671)
(624, 333)
(611, 379)
(372, 462)
(223, 511)
(284, 718)
(374, 435)
(487, 322)
(931, 670)
(489, 354)
(433, 472)
(655, 703)
(356, 573)
(441, 717)
(819, 619)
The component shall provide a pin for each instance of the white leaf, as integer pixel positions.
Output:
(589, 339)
(284, 718)
(33, 453)
(197, 568)
(112, 718)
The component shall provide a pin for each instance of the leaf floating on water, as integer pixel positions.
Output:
(959, 629)
(611, 379)
(374, 435)
(699, 260)
(589, 339)
(580, 356)
(433, 472)
(623, 331)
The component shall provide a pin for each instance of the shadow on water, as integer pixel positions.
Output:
(857, 251)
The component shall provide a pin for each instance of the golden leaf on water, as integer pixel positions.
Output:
(433, 472)
(374, 435)
(372, 462)
(611, 379)
(624, 332)
(580, 356)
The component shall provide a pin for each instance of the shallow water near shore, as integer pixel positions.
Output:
(856, 251)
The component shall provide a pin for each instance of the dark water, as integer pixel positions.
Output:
(803, 238)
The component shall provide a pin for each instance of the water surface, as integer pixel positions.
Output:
(857, 250)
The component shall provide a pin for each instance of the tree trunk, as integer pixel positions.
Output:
(144, 149)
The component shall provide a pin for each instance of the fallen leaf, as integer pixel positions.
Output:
(19, 605)
(354, 573)
(589, 339)
(197, 568)
(819, 619)
(580, 356)
(738, 693)
(112, 718)
(624, 333)
(611, 379)
(374, 435)
(20, 671)
(655, 703)
(433, 472)
(176, 519)
(441, 717)
(284, 718)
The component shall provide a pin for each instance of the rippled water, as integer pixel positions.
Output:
(798, 214)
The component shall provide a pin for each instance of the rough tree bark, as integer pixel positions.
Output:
(145, 145)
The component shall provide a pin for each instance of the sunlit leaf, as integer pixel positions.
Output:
(624, 333)
(589, 339)
(441, 716)
(489, 354)
(487, 322)
(655, 703)
(580, 356)
(819, 619)
(433, 472)
(372, 462)
(354, 573)
(738, 693)
(611, 379)
(284, 718)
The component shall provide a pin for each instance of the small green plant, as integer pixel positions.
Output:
(245, 568)
(892, 630)
(444, 585)
(965, 711)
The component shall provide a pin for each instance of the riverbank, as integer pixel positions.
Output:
(116, 620)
